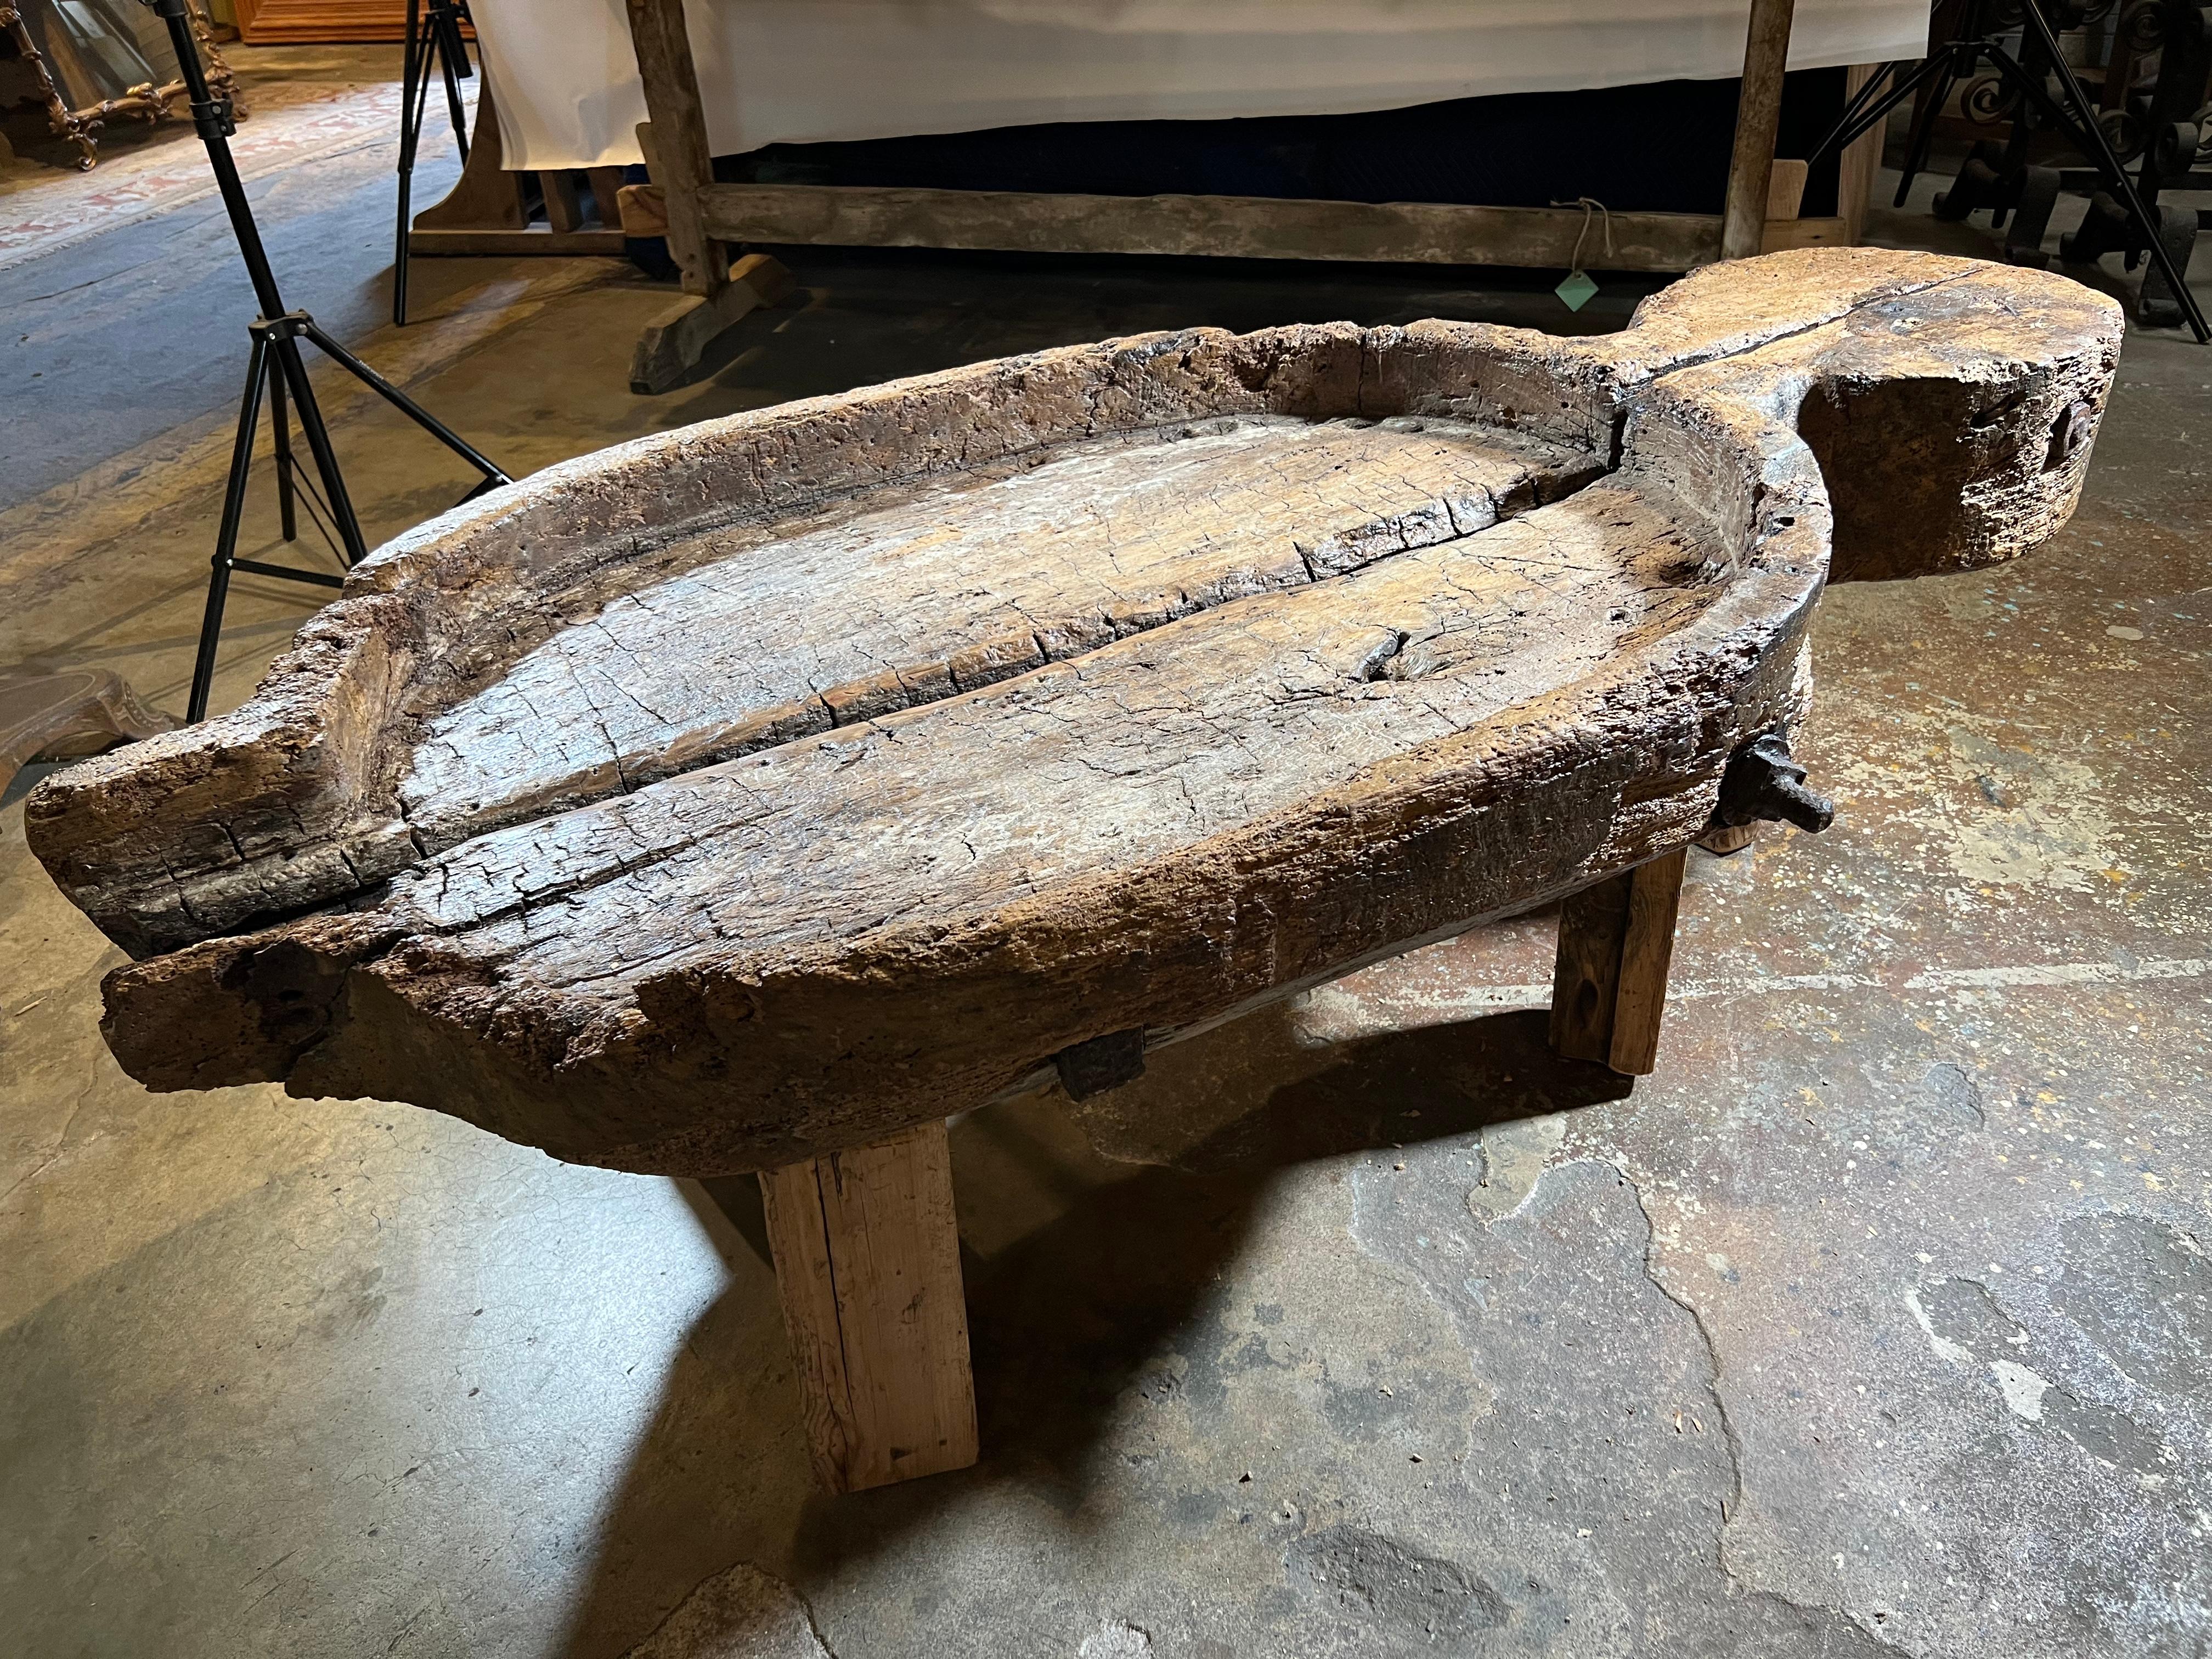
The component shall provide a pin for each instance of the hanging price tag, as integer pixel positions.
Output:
(1580, 286)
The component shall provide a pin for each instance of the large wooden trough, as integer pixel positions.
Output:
(751, 797)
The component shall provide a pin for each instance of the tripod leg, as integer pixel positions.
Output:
(281, 428)
(410, 130)
(295, 370)
(226, 540)
(1856, 125)
(399, 257)
(449, 48)
(2076, 118)
(1923, 131)
(406, 406)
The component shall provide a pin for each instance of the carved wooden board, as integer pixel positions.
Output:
(762, 788)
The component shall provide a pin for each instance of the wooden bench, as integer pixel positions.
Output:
(703, 220)
(752, 796)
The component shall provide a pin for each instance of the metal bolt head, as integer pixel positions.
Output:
(2072, 429)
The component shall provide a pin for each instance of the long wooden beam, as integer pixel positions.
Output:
(1758, 119)
(1242, 226)
(676, 144)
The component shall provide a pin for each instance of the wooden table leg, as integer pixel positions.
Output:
(867, 1259)
(1758, 119)
(1609, 986)
(674, 140)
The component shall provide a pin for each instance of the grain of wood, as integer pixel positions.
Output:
(765, 788)
(1647, 951)
(1586, 968)
(676, 149)
(867, 1258)
(1785, 190)
(1858, 164)
(1758, 119)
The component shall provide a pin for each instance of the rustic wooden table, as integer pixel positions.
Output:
(753, 796)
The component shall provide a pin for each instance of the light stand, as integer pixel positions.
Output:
(2069, 113)
(433, 32)
(276, 364)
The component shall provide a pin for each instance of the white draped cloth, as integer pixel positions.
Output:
(565, 81)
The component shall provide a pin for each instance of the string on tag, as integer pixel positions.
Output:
(1577, 290)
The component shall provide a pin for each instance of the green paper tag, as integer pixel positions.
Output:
(1576, 291)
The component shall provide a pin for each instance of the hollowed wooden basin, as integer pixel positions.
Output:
(758, 789)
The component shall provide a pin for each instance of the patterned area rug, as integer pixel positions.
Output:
(43, 209)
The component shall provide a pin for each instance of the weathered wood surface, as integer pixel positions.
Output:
(765, 788)
(1609, 983)
(672, 343)
(1223, 227)
(1746, 207)
(676, 151)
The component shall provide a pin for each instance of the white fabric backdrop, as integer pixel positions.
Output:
(565, 81)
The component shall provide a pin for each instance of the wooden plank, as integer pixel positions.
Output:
(485, 197)
(1647, 949)
(676, 150)
(606, 189)
(1586, 969)
(867, 1262)
(1856, 168)
(1758, 119)
(643, 210)
(528, 241)
(1785, 190)
(1609, 977)
(564, 206)
(672, 343)
(1782, 234)
(1259, 227)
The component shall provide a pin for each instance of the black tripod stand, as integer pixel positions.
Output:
(2034, 108)
(276, 364)
(432, 33)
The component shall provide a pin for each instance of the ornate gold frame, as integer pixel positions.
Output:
(148, 103)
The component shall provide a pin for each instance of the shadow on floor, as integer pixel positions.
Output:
(1066, 1320)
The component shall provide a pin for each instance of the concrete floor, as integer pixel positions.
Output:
(1879, 1321)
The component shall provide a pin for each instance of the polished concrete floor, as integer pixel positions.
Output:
(1879, 1321)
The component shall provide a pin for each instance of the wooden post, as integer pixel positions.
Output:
(867, 1260)
(1758, 119)
(1860, 161)
(1609, 986)
(677, 153)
